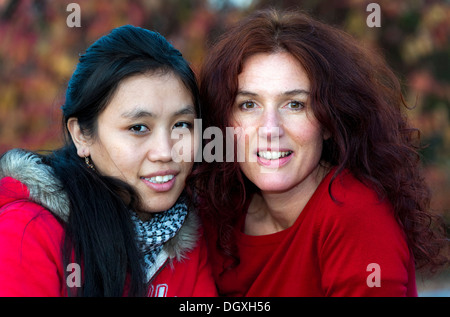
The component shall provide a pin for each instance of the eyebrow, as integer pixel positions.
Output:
(285, 93)
(186, 111)
(139, 113)
(295, 92)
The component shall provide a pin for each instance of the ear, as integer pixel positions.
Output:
(78, 138)
(326, 134)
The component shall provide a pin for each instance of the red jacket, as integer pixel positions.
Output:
(31, 238)
(353, 247)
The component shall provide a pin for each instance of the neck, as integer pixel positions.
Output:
(271, 212)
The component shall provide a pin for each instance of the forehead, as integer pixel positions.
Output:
(273, 72)
(156, 93)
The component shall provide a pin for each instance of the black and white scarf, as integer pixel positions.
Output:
(151, 235)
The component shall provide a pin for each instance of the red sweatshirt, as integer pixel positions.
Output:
(31, 257)
(351, 248)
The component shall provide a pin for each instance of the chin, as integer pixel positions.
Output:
(271, 185)
(160, 204)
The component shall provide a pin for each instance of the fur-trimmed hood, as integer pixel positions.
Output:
(46, 190)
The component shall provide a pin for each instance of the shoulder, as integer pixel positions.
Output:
(187, 239)
(347, 189)
(358, 219)
(30, 250)
(347, 195)
(354, 211)
(27, 229)
(27, 210)
(189, 264)
(356, 230)
(30, 172)
(24, 220)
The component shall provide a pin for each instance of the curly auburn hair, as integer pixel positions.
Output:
(354, 95)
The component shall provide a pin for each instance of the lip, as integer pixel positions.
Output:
(163, 187)
(162, 173)
(280, 162)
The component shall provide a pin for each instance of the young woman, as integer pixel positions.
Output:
(329, 199)
(107, 215)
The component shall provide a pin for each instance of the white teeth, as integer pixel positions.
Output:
(268, 155)
(160, 179)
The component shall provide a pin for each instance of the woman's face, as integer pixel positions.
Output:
(137, 131)
(279, 134)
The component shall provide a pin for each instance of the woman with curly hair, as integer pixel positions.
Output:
(324, 196)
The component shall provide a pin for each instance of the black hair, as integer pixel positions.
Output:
(99, 232)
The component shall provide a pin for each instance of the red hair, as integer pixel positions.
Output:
(354, 95)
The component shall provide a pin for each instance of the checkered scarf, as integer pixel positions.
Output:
(153, 234)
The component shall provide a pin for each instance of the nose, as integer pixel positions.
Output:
(160, 146)
(271, 126)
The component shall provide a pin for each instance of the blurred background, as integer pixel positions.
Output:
(39, 51)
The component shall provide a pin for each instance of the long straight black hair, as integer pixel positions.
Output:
(99, 233)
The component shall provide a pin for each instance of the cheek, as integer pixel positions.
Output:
(117, 162)
(311, 141)
(184, 148)
(185, 168)
(196, 141)
(246, 142)
(192, 144)
(304, 131)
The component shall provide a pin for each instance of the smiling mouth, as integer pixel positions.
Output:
(273, 155)
(159, 179)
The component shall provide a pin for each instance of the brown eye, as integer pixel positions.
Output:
(139, 129)
(295, 105)
(248, 105)
(182, 125)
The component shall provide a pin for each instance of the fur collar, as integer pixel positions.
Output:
(46, 190)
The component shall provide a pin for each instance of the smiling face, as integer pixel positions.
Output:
(282, 140)
(146, 117)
